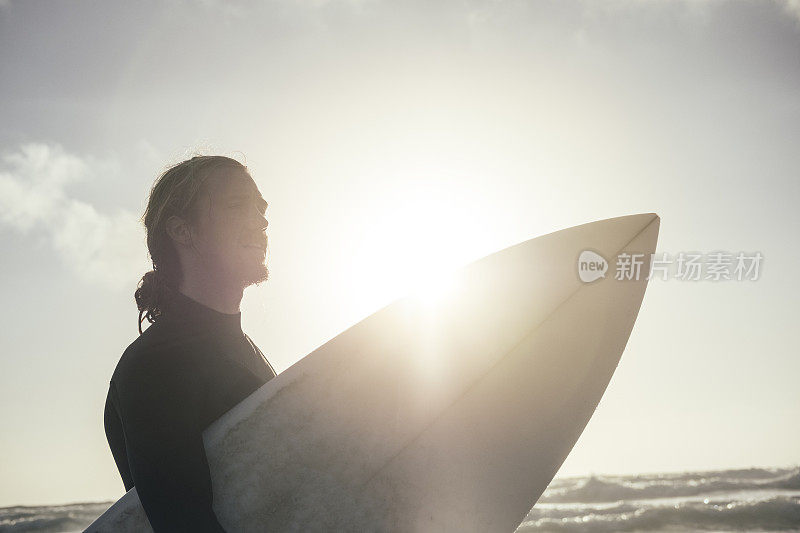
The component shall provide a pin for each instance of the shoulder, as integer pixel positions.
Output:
(162, 352)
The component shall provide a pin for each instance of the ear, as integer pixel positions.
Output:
(179, 231)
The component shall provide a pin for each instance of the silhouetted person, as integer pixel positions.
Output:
(206, 235)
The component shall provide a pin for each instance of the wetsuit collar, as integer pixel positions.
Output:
(185, 309)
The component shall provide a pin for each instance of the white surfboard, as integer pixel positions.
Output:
(446, 415)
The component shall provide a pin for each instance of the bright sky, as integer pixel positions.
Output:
(390, 139)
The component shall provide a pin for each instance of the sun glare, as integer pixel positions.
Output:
(413, 248)
(432, 289)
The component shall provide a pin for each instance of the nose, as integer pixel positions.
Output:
(259, 220)
(262, 221)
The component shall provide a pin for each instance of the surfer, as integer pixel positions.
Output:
(206, 235)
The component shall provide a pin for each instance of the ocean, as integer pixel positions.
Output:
(753, 499)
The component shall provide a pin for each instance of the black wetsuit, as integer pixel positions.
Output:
(183, 372)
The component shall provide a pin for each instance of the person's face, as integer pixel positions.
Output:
(230, 234)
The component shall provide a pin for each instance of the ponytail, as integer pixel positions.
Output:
(151, 294)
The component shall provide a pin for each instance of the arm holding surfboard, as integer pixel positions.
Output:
(163, 440)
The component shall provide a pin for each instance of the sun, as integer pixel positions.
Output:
(412, 248)
(433, 289)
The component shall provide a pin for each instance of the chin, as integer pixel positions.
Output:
(256, 276)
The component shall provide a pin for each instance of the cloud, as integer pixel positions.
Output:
(792, 7)
(99, 247)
